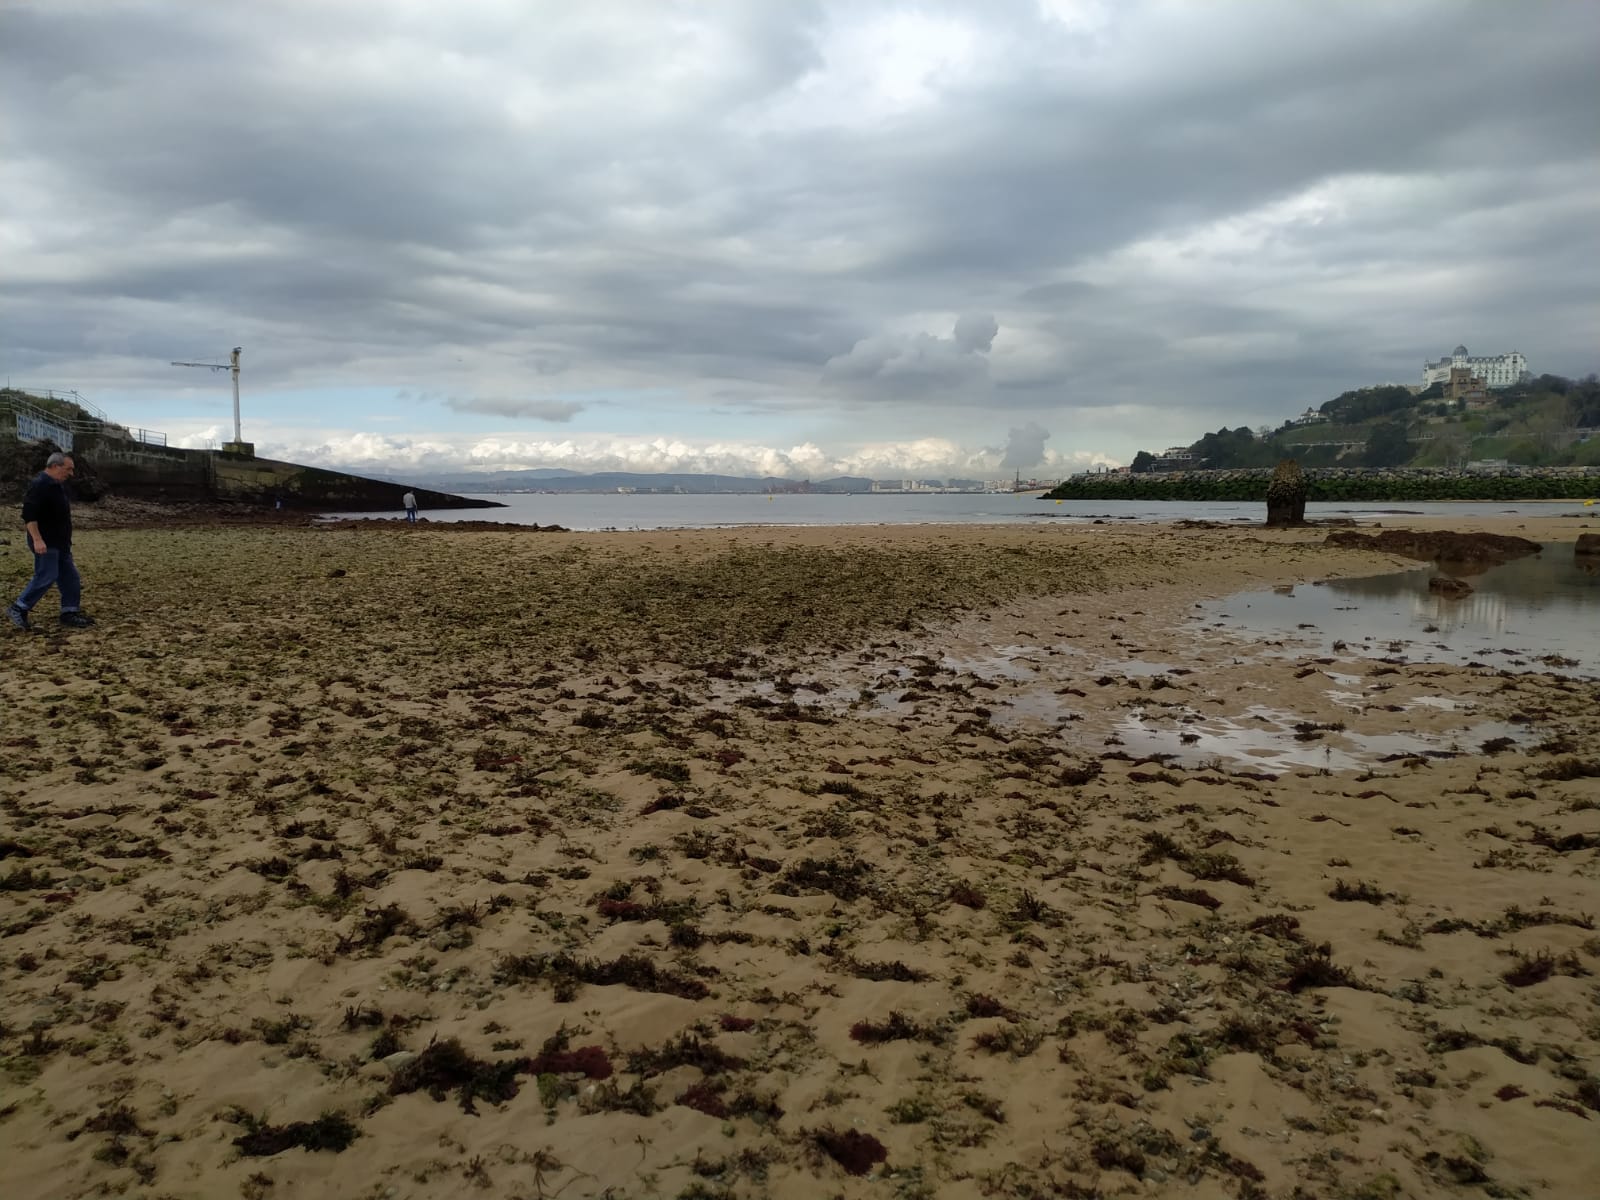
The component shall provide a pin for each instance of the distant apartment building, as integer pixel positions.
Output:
(1311, 416)
(1496, 371)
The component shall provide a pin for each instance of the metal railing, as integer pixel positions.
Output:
(64, 396)
(91, 418)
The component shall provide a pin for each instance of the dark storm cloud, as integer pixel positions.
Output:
(706, 199)
(537, 410)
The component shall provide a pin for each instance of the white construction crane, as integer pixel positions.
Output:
(233, 365)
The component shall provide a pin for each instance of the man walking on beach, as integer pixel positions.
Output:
(47, 516)
(410, 502)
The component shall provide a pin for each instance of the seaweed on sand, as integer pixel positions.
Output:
(853, 1150)
(896, 1028)
(845, 878)
(1542, 966)
(446, 1067)
(686, 1050)
(1315, 968)
(567, 972)
(1198, 896)
(1360, 890)
(330, 1131)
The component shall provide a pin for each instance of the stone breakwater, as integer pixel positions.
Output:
(1342, 483)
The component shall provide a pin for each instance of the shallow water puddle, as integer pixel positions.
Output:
(1536, 613)
(1273, 739)
(1007, 662)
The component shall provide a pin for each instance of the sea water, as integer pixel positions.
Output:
(601, 511)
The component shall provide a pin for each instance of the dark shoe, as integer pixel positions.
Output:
(19, 617)
(77, 620)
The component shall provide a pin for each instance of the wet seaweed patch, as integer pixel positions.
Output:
(844, 877)
(855, 1151)
(447, 1067)
(1313, 967)
(1528, 971)
(566, 974)
(331, 1131)
(1568, 769)
(879, 972)
(1196, 896)
(1203, 864)
(1360, 890)
(896, 1027)
(688, 1049)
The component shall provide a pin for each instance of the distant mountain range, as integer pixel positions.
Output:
(555, 479)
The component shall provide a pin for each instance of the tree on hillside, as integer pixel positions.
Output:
(1387, 445)
(1454, 448)
(1142, 462)
(1366, 404)
(1227, 449)
(1583, 402)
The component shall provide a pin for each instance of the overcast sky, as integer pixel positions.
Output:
(793, 237)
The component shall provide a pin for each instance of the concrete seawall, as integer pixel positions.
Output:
(116, 466)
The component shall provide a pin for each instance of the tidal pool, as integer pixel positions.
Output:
(1267, 738)
(1537, 613)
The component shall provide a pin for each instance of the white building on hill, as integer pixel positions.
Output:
(1496, 371)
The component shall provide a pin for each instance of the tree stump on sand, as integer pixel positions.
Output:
(1286, 496)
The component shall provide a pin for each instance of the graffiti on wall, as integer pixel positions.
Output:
(32, 429)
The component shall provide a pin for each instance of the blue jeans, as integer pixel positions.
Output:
(53, 568)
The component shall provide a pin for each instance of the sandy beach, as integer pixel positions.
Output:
(389, 862)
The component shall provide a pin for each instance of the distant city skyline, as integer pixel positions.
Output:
(804, 240)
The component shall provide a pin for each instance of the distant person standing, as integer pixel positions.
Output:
(410, 502)
(47, 516)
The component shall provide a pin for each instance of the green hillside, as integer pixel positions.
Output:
(1550, 421)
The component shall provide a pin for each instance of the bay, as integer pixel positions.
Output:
(614, 511)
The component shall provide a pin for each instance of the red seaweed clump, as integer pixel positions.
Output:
(703, 1097)
(589, 1060)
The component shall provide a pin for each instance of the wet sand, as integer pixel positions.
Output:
(405, 862)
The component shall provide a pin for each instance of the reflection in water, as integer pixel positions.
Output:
(1543, 608)
(1267, 738)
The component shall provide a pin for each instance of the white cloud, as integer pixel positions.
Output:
(909, 219)
(364, 452)
(920, 364)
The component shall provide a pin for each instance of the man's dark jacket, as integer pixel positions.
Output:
(46, 502)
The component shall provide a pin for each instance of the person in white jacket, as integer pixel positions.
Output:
(409, 500)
